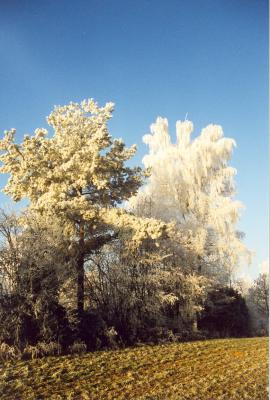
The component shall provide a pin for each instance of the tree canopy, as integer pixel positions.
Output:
(192, 184)
(78, 176)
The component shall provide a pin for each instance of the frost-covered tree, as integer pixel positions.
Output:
(192, 184)
(140, 294)
(77, 177)
(259, 294)
(9, 251)
(33, 266)
(258, 301)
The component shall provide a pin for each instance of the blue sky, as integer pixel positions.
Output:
(208, 58)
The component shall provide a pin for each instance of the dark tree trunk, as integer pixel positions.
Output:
(80, 273)
(80, 284)
(85, 247)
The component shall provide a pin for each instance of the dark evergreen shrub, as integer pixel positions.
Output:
(225, 314)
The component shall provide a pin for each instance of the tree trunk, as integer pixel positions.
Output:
(85, 247)
(80, 284)
(80, 273)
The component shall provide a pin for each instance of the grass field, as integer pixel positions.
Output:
(228, 369)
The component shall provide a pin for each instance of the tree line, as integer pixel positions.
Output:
(110, 255)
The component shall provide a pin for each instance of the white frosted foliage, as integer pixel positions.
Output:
(192, 184)
(78, 174)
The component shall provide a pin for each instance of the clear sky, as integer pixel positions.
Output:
(208, 58)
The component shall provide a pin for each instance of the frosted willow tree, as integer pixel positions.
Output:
(77, 177)
(192, 184)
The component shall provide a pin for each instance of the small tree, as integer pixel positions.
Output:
(259, 294)
(33, 268)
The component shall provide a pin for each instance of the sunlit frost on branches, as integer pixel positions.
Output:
(191, 183)
(79, 173)
(78, 177)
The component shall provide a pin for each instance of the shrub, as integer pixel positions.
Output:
(53, 323)
(17, 323)
(111, 336)
(262, 332)
(225, 314)
(78, 348)
(8, 352)
(90, 329)
(30, 352)
(49, 349)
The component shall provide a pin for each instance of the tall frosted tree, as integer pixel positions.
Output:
(77, 176)
(192, 184)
